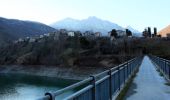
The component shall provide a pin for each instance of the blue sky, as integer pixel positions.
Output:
(136, 13)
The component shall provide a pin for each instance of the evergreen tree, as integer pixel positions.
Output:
(114, 33)
(128, 32)
(155, 31)
(145, 33)
(149, 32)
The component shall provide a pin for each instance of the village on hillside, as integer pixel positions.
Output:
(92, 35)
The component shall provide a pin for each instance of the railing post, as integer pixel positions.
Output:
(133, 65)
(119, 76)
(127, 69)
(163, 65)
(110, 83)
(130, 67)
(165, 68)
(94, 88)
(159, 63)
(169, 69)
(124, 70)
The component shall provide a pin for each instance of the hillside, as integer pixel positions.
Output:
(164, 31)
(66, 51)
(11, 29)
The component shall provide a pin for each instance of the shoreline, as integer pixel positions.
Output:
(72, 73)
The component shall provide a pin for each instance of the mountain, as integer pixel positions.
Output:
(164, 31)
(11, 29)
(134, 31)
(92, 24)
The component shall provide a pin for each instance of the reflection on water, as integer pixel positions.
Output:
(26, 87)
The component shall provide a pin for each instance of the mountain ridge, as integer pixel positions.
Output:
(164, 31)
(92, 23)
(11, 29)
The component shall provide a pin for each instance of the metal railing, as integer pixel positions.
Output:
(162, 64)
(103, 86)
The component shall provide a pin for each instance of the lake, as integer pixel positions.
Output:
(28, 87)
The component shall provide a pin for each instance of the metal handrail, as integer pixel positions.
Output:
(73, 86)
(101, 74)
(163, 65)
(98, 79)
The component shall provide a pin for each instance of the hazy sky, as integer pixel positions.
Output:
(136, 13)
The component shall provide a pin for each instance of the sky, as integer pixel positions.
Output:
(135, 13)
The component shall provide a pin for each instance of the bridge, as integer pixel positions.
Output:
(108, 85)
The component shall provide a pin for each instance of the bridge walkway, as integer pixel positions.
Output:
(148, 84)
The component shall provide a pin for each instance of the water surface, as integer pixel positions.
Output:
(27, 87)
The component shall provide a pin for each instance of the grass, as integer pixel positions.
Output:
(160, 73)
(157, 70)
(168, 84)
(127, 86)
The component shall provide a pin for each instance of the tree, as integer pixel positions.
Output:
(84, 43)
(159, 35)
(155, 31)
(149, 32)
(128, 32)
(145, 33)
(114, 33)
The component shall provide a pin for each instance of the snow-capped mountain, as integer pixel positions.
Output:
(91, 24)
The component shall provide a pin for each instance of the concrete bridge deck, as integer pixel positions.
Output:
(148, 84)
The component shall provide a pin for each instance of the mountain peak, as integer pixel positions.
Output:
(92, 17)
(68, 20)
(128, 27)
(91, 23)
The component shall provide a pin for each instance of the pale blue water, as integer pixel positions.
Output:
(26, 87)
